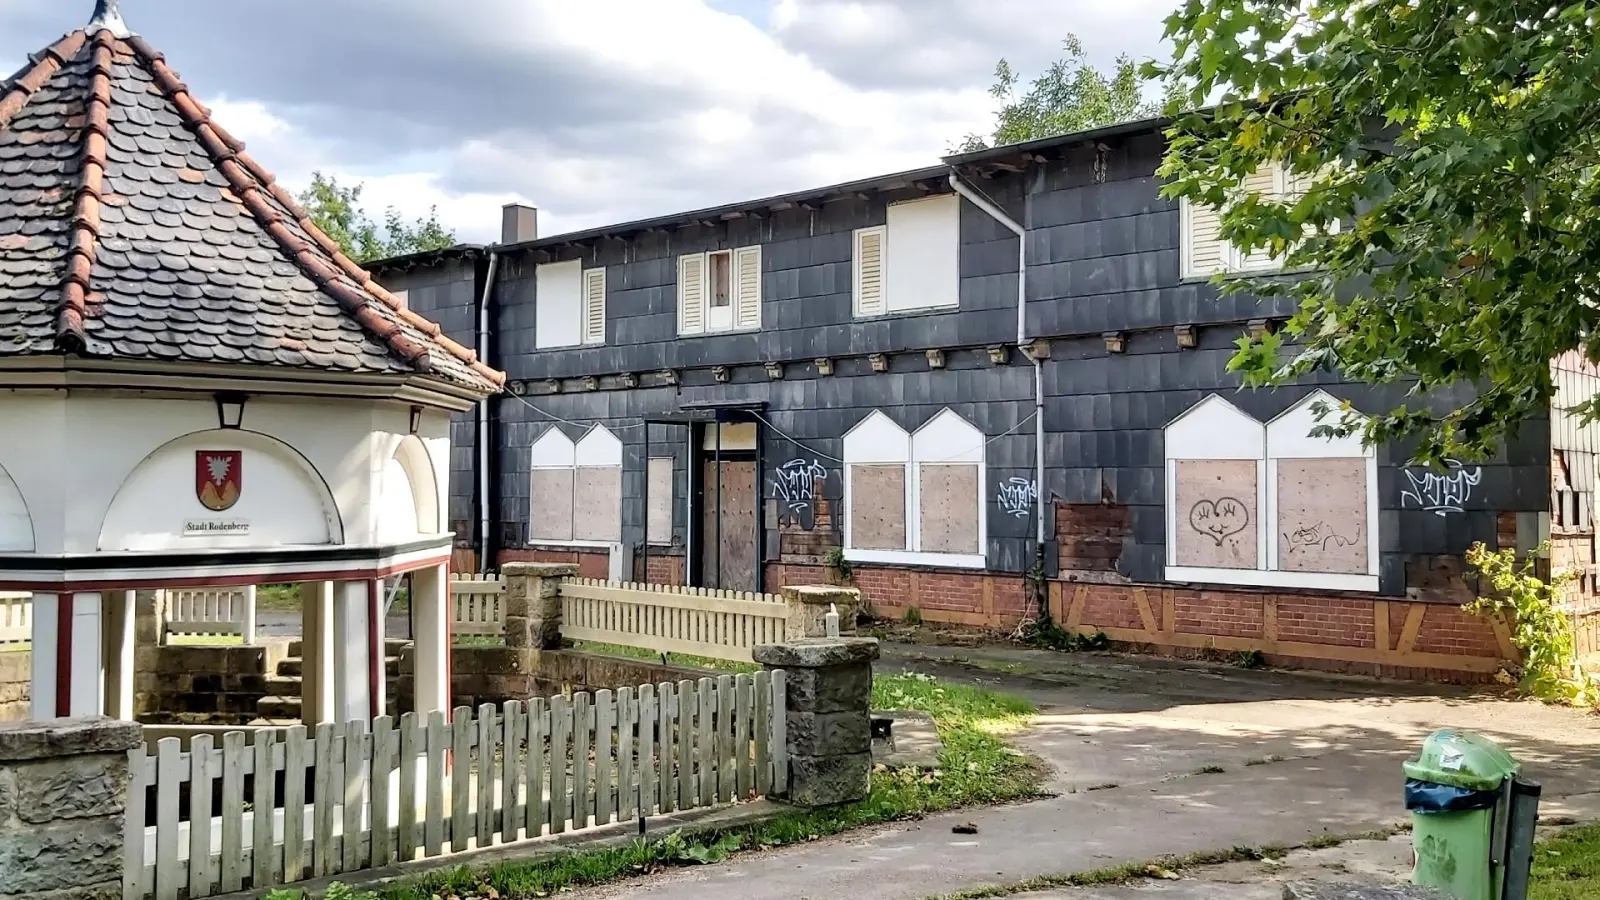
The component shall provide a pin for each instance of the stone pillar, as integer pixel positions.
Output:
(63, 791)
(150, 618)
(316, 651)
(430, 628)
(533, 603)
(828, 716)
(809, 603)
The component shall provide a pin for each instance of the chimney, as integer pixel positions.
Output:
(518, 222)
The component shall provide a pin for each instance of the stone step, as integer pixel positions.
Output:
(393, 646)
(294, 667)
(285, 685)
(278, 708)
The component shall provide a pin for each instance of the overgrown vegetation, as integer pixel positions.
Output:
(1250, 659)
(975, 767)
(1567, 866)
(837, 564)
(1549, 669)
(1047, 634)
(913, 615)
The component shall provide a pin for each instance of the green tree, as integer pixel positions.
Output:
(336, 209)
(1071, 95)
(1456, 145)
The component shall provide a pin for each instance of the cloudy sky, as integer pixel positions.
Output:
(597, 111)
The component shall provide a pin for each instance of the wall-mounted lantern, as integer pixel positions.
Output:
(416, 419)
(230, 409)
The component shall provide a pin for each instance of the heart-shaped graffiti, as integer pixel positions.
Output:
(1219, 519)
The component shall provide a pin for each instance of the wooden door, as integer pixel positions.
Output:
(735, 567)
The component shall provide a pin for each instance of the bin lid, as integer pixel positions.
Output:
(1462, 759)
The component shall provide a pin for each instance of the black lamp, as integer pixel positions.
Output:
(230, 409)
(416, 419)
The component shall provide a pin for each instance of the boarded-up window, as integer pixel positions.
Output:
(1322, 515)
(550, 506)
(596, 513)
(1216, 513)
(878, 507)
(660, 513)
(948, 494)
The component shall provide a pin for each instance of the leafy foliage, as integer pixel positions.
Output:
(1456, 143)
(1047, 634)
(836, 563)
(336, 209)
(1550, 669)
(1071, 95)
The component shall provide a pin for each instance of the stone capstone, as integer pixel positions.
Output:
(67, 737)
(73, 788)
(80, 853)
(809, 605)
(817, 653)
(829, 780)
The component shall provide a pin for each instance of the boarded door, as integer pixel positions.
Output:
(735, 570)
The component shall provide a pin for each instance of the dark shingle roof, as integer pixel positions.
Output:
(134, 227)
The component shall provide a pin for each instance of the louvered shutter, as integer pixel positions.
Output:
(1204, 253)
(747, 287)
(594, 306)
(1267, 181)
(870, 283)
(692, 293)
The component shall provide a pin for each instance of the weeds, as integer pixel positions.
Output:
(1047, 634)
(1250, 659)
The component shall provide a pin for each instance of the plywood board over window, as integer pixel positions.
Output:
(1217, 513)
(948, 498)
(1322, 515)
(660, 513)
(550, 506)
(597, 514)
(878, 507)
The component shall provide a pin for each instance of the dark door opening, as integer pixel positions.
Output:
(727, 509)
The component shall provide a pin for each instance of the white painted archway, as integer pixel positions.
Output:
(408, 498)
(16, 526)
(283, 500)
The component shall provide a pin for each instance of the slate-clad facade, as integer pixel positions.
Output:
(1126, 345)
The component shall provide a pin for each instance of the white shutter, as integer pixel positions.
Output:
(870, 271)
(1267, 181)
(1204, 253)
(747, 287)
(692, 293)
(594, 306)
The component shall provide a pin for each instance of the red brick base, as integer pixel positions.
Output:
(591, 563)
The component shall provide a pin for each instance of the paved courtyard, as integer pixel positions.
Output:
(1127, 740)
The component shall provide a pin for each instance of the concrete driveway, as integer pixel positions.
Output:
(1127, 739)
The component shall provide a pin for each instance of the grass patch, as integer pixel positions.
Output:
(17, 647)
(1567, 866)
(205, 640)
(278, 597)
(672, 659)
(976, 767)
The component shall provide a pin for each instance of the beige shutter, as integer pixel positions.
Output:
(594, 306)
(869, 289)
(1204, 253)
(747, 287)
(692, 293)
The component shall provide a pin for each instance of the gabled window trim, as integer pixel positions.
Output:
(577, 463)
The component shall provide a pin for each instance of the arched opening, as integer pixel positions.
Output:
(262, 492)
(16, 526)
(408, 498)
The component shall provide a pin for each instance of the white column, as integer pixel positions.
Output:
(430, 630)
(118, 644)
(46, 630)
(248, 613)
(316, 651)
(88, 655)
(352, 692)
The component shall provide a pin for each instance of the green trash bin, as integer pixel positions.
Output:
(1453, 790)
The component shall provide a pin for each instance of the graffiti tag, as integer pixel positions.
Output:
(1219, 519)
(796, 489)
(1017, 496)
(1318, 537)
(1441, 495)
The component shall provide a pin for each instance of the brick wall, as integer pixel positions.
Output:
(1216, 612)
(202, 685)
(1089, 538)
(664, 569)
(591, 563)
(952, 597)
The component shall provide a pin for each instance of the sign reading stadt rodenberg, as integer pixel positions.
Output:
(215, 527)
(218, 478)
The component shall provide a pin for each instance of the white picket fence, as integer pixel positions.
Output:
(16, 617)
(212, 611)
(666, 619)
(419, 788)
(477, 605)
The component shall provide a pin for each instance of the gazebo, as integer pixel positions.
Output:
(197, 388)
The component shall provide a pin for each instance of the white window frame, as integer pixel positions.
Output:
(542, 311)
(936, 454)
(1215, 429)
(1234, 261)
(603, 446)
(715, 320)
(885, 304)
(591, 280)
